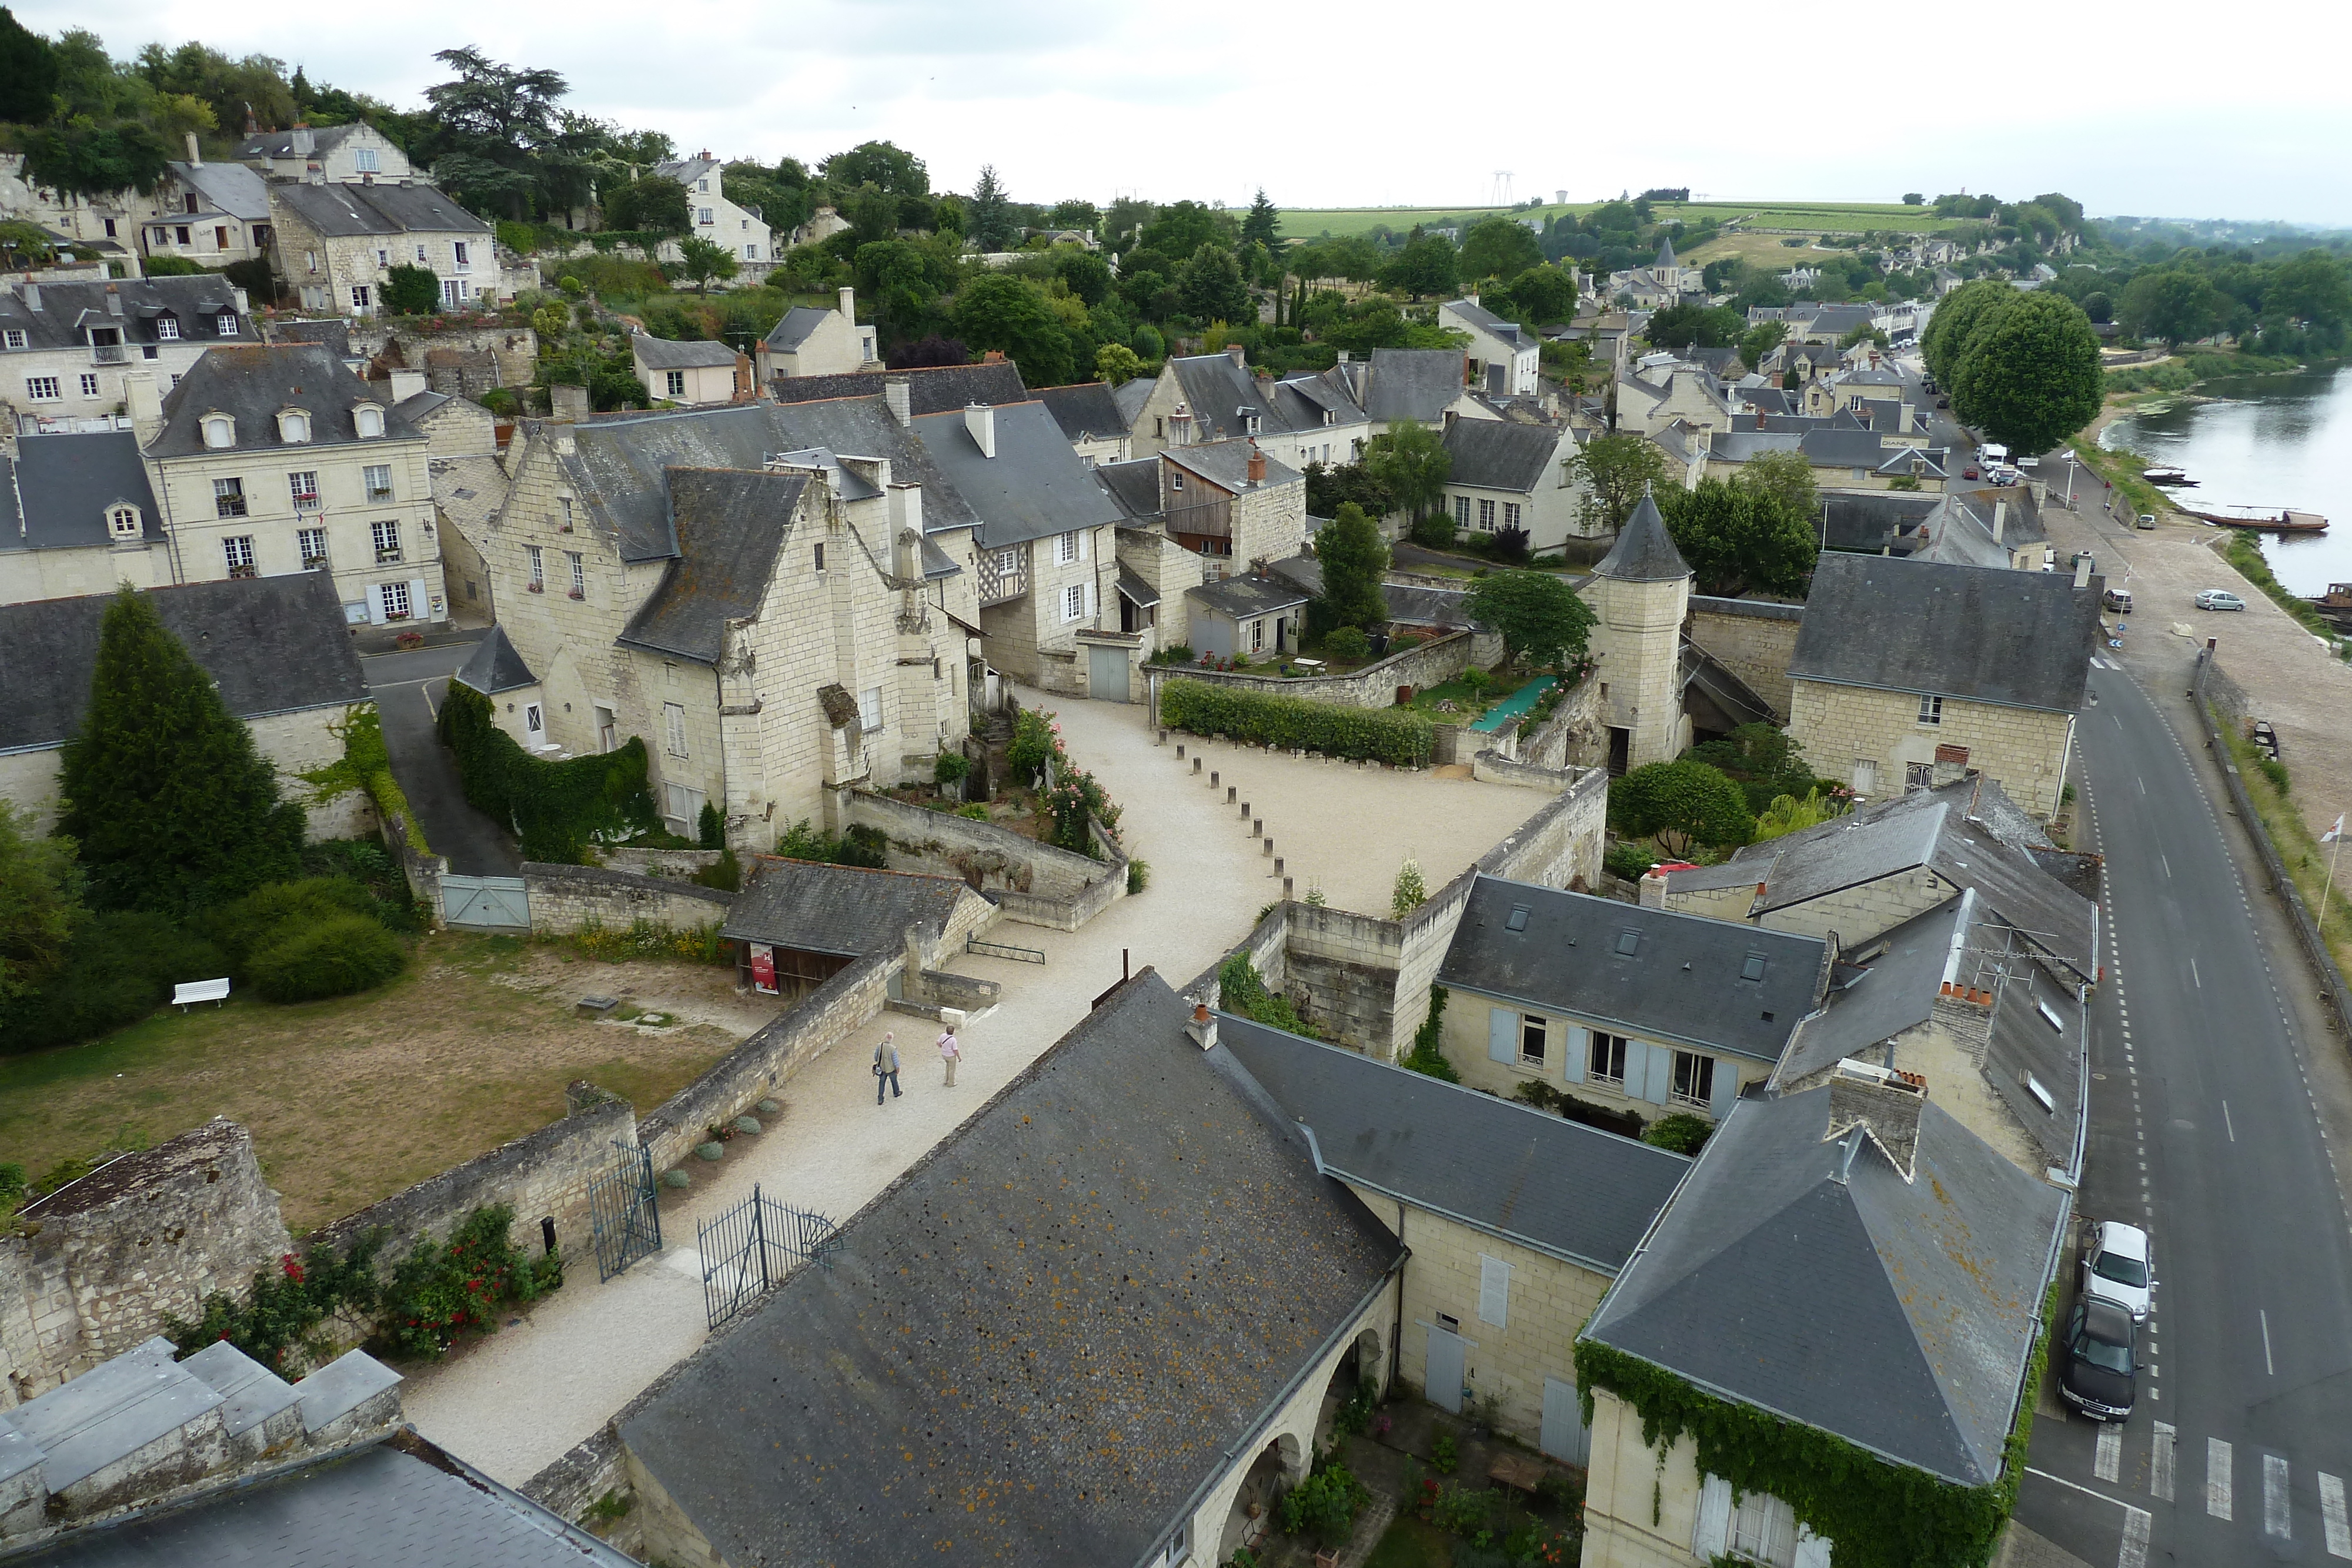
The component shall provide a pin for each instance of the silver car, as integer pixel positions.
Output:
(2219, 599)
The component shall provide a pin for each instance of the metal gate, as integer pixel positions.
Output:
(486, 903)
(622, 1212)
(748, 1251)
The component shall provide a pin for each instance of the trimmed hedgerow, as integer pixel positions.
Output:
(330, 957)
(1397, 736)
(557, 808)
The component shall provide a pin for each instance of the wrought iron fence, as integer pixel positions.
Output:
(749, 1250)
(622, 1212)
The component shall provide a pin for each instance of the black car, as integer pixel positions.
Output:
(2100, 1360)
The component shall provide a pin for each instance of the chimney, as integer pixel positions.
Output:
(1999, 520)
(978, 418)
(252, 126)
(898, 392)
(146, 405)
(304, 141)
(2082, 564)
(1883, 1102)
(1238, 354)
(849, 305)
(1256, 465)
(113, 300)
(32, 293)
(567, 404)
(406, 385)
(243, 304)
(195, 158)
(1203, 1026)
(1343, 356)
(906, 518)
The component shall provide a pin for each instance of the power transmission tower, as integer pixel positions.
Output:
(1502, 188)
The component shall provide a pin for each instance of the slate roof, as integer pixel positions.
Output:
(1134, 487)
(235, 189)
(1867, 521)
(1486, 320)
(280, 143)
(337, 212)
(2019, 639)
(730, 526)
(252, 382)
(1058, 1326)
(933, 389)
(470, 491)
(1682, 983)
(1218, 392)
(1086, 412)
(1896, 990)
(2023, 1040)
(271, 645)
(1238, 598)
(617, 464)
(1645, 551)
(403, 1503)
(847, 911)
(1545, 1182)
(686, 171)
(68, 310)
(1131, 395)
(66, 484)
(794, 329)
(1035, 486)
(668, 354)
(1226, 464)
(1496, 455)
(494, 666)
(335, 334)
(1897, 1315)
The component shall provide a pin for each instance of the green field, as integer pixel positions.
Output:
(1822, 218)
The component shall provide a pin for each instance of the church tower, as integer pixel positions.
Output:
(1639, 594)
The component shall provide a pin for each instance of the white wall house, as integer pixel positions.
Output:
(1503, 355)
(711, 216)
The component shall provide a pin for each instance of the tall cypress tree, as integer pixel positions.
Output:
(174, 809)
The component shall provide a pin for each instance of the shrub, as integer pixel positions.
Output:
(1411, 891)
(1347, 642)
(1324, 1505)
(1435, 531)
(861, 846)
(277, 1324)
(1138, 876)
(1443, 1454)
(263, 916)
(976, 811)
(439, 1290)
(1240, 989)
(1630, 861)
(725, 873)
(709, 828)
(572, 285)
(1404, 640)
(1397, 736)
(120, 967)
(1680, 1131)
(558, 808)
(1427, 1056)
(2275, 771)
(951, 767)
(331, 957)
(1535, 1092)
(1681, 804)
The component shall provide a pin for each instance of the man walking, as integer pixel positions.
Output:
(886, 1066)
(951, 1052)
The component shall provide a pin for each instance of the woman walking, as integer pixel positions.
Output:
(951, 1052)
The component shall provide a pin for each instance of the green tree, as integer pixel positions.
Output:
(2032, 377)
(411, 291)
(1538, 613)
(28, 73)
(1956, 319)
(497, 137)
(1680, 327)
(1263, 225)
(2175, 305)
(1209, 287)
(1759, 340)
(1427, 264)
(988, 214)
(1914, 199)
(1353, 555)
(1410, 462)
(1542, 296)
(1764, 761)
(40, 905)
(173, 808)
(1681, 804)
(1740, 536)
(882, 164)
(88, 160)
(1116, 364)
(653, 204)
(1410, 892)
(1083, 217)
(703, 261)
(1001, 310)
(1498, 247)
(1616, 471)
(1178, 230)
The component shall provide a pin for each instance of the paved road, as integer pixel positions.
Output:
(407, 689)
(2204, 1129)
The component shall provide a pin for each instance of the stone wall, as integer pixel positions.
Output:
(2025, 750)
(423, 873)
(103, 1261)
(680, 864)
(1754, 640)
(1033, 883)
(1575, 735)
(541, 1174)
(515, 349)
(1375, 685)
(570, 897)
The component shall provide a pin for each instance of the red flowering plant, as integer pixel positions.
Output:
(282, 1322)
(1070, 795)
(441, 1289)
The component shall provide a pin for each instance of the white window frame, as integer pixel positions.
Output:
(674, 729)
(1763, 1530)
(1865, 776)
(14, 339)
(397, 605)
(537, 566)
(579, 573)
(43, 389)
(167, 330)
(1494, 1292)
(377, 479)
(364, 159)
(1066, 549)
(869, 710)
(460, 256)
(1257, 635)
(122, 522)
(312, 544)
(684, 802)
(385, 533)
(534, 720)
(1696, 1069)
(1074, 602)
(1931, 710)
(361, 298)
(1461, 511)
(453, 291)
(1485, 514)
(237, 553)
(296, 482)
(88, 384)
(1539, 1028)
(1603, 1051)
(1510, 514)
(224, 324)
(228, 497)
(675, 381)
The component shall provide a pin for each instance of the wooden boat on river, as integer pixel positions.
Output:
(2265, 519)
(2164, 474)
(2336, 605)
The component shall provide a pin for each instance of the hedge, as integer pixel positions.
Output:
(554, 807)
(1397, 736)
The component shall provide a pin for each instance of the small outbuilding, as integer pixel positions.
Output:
(1257, 616)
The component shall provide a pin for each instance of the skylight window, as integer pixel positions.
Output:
(1628, 942)
(1518, 920)
(1753, 969)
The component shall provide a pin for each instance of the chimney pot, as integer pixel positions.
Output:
(196, 157)
(1203, 1026)
(1238, 354)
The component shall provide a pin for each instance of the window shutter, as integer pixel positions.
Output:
(376, 602)
(1714, 1532)
(1502, 1035)
(1580, 1051)
(1092, 610)
(1494, 1292)
(419, 607)
(1812, 1551)
(1083, 534)
(1727, 1089)
(1657, 1070)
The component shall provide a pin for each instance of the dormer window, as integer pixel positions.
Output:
(220, 431)
(369, 418)
(167, 330)
(122, 522)
(293, 426)
(227, 324)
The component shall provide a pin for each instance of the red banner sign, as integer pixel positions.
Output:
(763, 967)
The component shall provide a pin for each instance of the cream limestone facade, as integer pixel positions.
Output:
(27, 575)
(1648, 1509)
(1637, 637)
(1884, 742)
(1034, 636)
(295, 742)
(1471, 1034)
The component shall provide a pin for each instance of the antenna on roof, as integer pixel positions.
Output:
(1846, 1152)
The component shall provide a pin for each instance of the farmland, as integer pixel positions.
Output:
(1819, 217)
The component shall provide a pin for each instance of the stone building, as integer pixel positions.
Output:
(1509, 475)
(270, 460)
(1203, 398)
(78, 515)
(1640, 595)
(741, 230)
(690, 374)
(1089, 416)
(1905, 667)
(1504, 356)
(336, 245)
(353, 154)
(210, 214)
(68, 351)
(807, 342)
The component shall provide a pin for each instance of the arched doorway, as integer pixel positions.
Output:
(1360, 1366)
(1279, 1466)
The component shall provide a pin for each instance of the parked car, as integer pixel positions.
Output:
(2117, 599)
(2117, 1266)
(1943, 402)
(1968, 472)
(2147, 520)
(2219, 599)
(2102, 1361)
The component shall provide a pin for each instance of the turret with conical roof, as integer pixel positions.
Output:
(1639, 594)
(1666, 253)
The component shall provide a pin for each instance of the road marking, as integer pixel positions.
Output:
(2143, 784)
(2278, 1519)
(2331, 1514)
(2217, 1478)
(2137, 1524)
(2168, 861)
(2108, 1464)
(2193, 975)
(2267, 1365)
(2160, 1470)
(2232, 1126)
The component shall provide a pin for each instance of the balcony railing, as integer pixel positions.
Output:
(241, 569)
(305, 503)
(106, 353)
(387, 555)
(228, 505)
(379, 496)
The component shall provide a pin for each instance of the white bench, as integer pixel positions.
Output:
(187, 991)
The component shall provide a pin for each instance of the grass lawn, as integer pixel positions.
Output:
(1409, 1543)
(2306, 858)
(353, 1099)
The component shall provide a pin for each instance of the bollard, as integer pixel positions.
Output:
(1285, 890)
(1269, 847)
(1196, 766)
(1163, 740)
(1179, 748)
(1257, 825)
(1213, 777)
(1245, 810)
(1277, 868)
(1232, 791)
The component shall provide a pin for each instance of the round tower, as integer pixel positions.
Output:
(1639, 594)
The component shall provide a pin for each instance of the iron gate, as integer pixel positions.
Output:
(622, 1211)
(486, 903)
(748, 1251)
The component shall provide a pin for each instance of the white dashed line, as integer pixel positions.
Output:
(2217, 1478)
(2108, 1463)
(2267, 1365)
(2137, 1522)
(2278, 1518)
(2232, 1126)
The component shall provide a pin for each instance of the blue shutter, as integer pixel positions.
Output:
(1726, 1088)
(1579, 1052)
(1501, 1034)
(1657, 1073)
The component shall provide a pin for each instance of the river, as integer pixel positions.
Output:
(2265, 441)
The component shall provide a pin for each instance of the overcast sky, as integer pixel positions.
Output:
(2150, 110)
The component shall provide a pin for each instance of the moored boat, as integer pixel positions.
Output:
(2267, 519)
(2165, 474)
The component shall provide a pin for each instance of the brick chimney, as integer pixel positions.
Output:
(1238, 354)
(1203, 1026)
(1256, 465)
(980, 419)
(1885, 1103)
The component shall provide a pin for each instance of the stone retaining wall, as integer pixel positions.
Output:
(1034, 882)
(680, 863)
(423, 873)
(1375, 685)
(570, 897)
(1754, 640)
